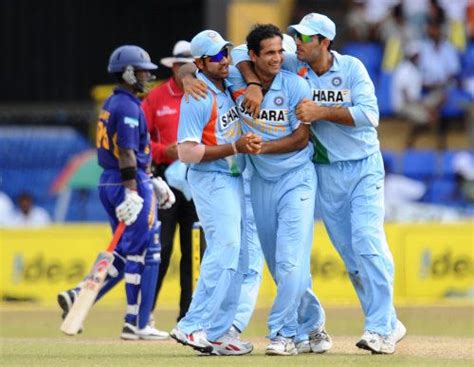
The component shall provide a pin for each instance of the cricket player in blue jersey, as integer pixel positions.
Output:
(349, 164)
(283, 188)
(128, 193)
(350, 171)
(210, 140)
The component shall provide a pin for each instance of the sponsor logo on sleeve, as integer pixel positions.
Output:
(130, 121)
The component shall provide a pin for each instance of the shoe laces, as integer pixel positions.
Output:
(320, 335)
(372, 333)
(281, 340)
(199, 334)
(233, 333)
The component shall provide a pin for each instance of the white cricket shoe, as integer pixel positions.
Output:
(370, 341)
(388, 345)
(320, 341)
(400, 331)
(390, 341)
(303, 347)
(231, 345)
(151, 333)
(131, 332)
(379, 344)
(281, 346)
(196, 340)
(179, 335)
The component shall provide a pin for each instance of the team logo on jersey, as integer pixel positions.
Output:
(332, 96)
(336, 81)
(278, 100)
(229, 117)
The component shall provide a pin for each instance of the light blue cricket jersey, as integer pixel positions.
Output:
(345, 84)
(277, 119)
(212, 121)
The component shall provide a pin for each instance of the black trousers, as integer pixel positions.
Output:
(183, 213)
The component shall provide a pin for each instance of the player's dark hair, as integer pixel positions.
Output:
(321, 37)
(259, 33)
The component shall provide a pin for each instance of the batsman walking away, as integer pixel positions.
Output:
(128, 194)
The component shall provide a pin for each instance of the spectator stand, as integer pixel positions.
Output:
(436, 170)
(32, 157)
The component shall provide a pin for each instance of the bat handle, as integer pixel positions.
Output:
(117, 235)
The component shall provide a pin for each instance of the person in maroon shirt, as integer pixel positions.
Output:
(161, 107)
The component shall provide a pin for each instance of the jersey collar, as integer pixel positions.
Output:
(174, 89)
(211, 85)
(277, 81)
(336, 65)
(121, 90)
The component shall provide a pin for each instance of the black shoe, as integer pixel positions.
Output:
(65, 301)
(129, 332)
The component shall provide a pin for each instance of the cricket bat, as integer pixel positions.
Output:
(91, 286)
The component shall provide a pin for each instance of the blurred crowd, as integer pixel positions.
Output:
(24, 214)
(428, 51)
(380, 20)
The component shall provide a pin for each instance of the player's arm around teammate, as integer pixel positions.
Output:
(348, 162)
(282, 190)
(210, 139)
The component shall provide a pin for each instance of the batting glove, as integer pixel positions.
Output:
(163, 193)
(129, 209)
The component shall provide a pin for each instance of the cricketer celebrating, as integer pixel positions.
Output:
(209, 139)
(350, 170)
(349, 166)
(282, 189)
(127, 192)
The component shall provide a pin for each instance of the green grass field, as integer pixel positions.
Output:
(29, 336)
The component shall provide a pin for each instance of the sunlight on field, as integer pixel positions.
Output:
(437, 336)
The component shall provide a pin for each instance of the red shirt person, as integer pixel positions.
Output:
(161, 107)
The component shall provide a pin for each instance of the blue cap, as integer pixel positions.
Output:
(313, 24)
(129, 55)
(207, 43)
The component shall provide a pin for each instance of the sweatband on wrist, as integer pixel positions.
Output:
(128, 173)
(255, 83)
